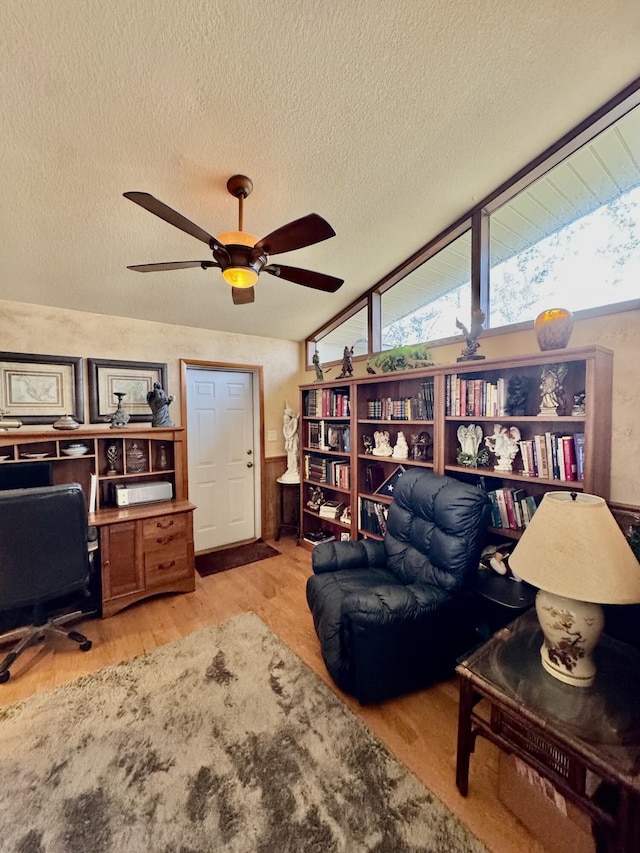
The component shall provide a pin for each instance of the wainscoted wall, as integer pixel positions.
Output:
(274, 467)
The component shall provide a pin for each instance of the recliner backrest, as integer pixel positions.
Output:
(435, 529)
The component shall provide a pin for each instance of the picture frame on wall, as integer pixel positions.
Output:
(133, 378)
(39, 389)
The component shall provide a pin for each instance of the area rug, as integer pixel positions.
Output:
(221, 741)
(231, 558)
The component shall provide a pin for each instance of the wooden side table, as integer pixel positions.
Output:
(586, 741)
(289, 508)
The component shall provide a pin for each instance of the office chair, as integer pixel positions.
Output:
(43, 559)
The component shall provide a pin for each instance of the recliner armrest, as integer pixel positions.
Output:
(336, 556)
(385, 604)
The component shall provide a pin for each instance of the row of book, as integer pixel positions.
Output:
(373, 516)
(328, 436)
(327, 403)
(333, 472)
(416, 408)
(474, 398)
(512, 508)
(553, 456)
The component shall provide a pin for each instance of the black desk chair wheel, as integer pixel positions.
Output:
(44, 558)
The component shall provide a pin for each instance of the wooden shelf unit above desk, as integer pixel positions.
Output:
(145, 549)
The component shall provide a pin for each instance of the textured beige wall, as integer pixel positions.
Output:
(37, 329)
(619, 332)
(52, 331)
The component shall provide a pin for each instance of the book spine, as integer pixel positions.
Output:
(579, 443)
(502, 507)
(569, 456)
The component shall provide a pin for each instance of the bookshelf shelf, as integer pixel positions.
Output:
(499, 386)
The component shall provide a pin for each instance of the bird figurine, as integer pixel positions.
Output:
(471, 336)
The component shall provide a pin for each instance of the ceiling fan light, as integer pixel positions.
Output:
(240, 276)
(237, 238)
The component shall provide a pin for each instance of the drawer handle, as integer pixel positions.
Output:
(164, 540)
(164, 526)
(166, 565)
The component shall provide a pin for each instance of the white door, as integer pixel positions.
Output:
(222, 469)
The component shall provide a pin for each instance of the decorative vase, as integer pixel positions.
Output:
(553, 328)
(136, 461)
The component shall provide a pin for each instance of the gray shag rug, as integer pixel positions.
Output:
(221, 741)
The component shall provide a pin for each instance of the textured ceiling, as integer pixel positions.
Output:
(388, 119)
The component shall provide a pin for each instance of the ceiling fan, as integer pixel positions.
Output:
(242, 256)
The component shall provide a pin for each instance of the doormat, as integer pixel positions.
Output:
(231, 558)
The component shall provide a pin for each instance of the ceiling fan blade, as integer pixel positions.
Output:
(316, 280)
(172, 265)
(159, 208)
(243, 295)
(296, 235)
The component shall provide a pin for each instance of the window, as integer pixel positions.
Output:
(352, 332)
(562, 232)
(425, 305)
(572, 238)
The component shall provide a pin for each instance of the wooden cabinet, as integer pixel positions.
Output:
(433, 407)
(145, 549)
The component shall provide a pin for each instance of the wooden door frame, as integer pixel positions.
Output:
(257, 371)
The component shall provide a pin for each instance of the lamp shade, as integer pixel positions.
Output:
(573, 547)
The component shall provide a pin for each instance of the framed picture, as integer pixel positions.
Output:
(39, 389)
(134, 379)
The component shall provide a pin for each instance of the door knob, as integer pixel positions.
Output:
(249, 464)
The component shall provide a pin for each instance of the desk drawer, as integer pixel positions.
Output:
(166, 564)
(163, 530)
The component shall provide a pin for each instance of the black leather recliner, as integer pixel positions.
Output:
(393, 616)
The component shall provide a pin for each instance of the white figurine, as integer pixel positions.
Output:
(383, 445)
(401, 450)
(291, 445)
(504, 443)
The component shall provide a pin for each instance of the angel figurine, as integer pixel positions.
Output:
(471, 336)
(505, 443)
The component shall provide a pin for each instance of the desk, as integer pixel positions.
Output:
(289, 508)
(586, 741)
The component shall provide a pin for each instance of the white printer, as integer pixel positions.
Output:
(143, 493)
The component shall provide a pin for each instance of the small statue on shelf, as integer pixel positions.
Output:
(470, 438)
(383, 444)
(505, 444)
(421, 446)
(316, 498)
(347, 365)
(578, 409)
(159, 404)
(517, 391)
(552, 390)
(471, 337)
(318, 366)
(120, 418)
(401, 449)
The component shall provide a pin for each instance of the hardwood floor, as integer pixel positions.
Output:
(420, 729)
